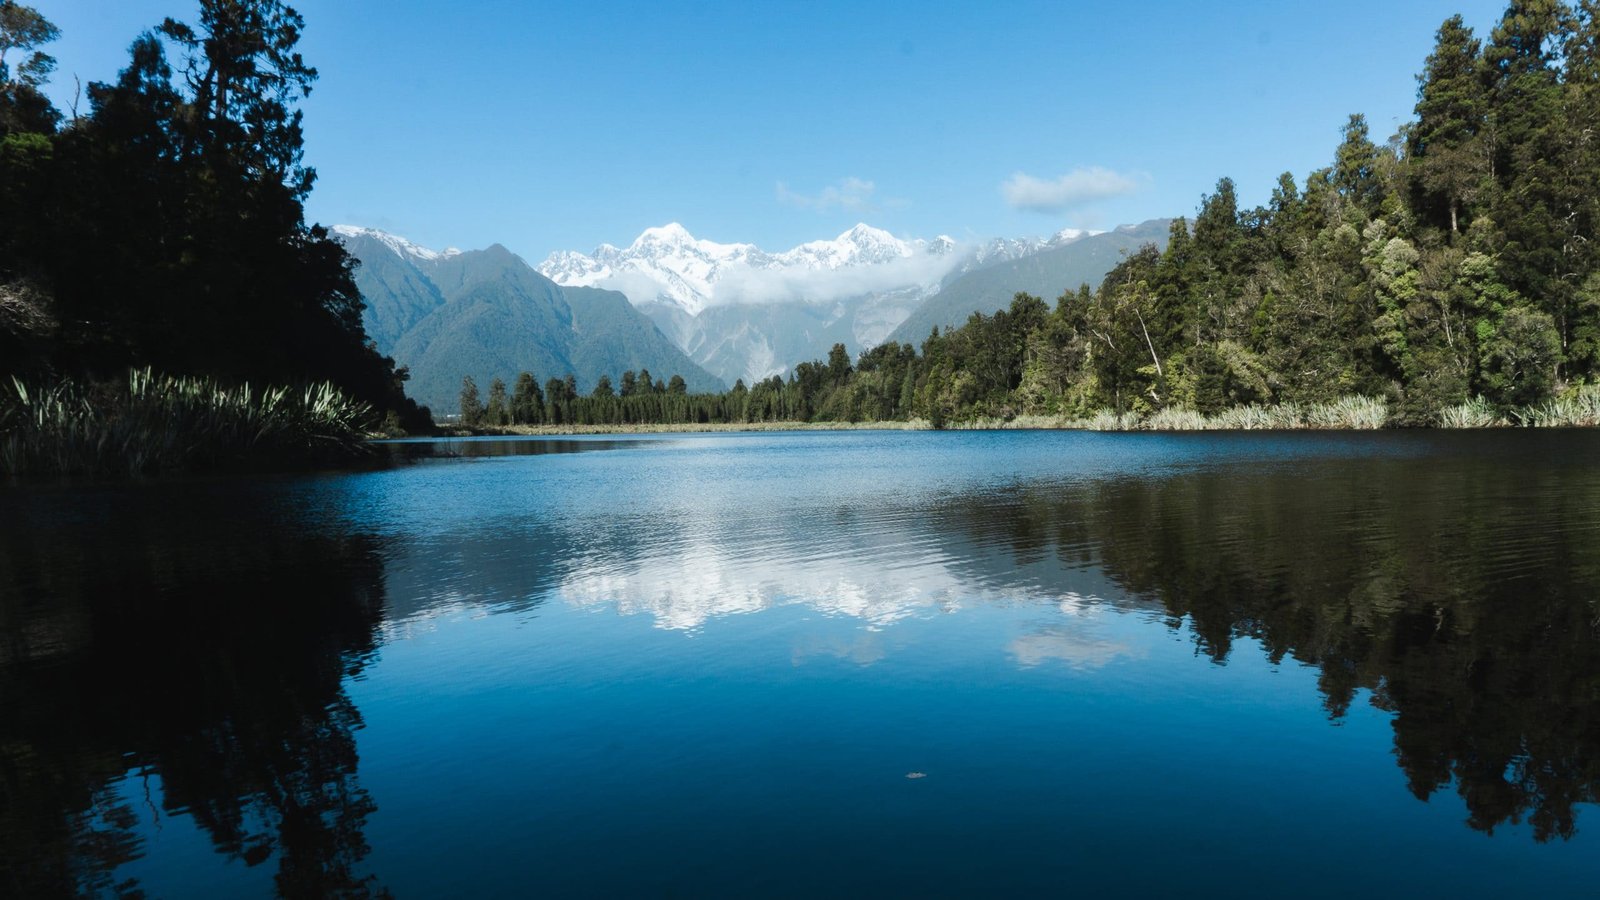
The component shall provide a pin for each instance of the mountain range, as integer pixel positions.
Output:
(745, 313)
(487, 313)
(676, 304)
(1045, 271)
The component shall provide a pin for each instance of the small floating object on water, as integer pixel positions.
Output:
(916, 774)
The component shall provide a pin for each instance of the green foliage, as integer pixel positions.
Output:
(497, 411)
(184, 184)
(1458, 260)
(152, 423)
(1520, 353)
(1446, 277)
(1578, 408)
(1474, 413)
(471, 404)
(527, 401)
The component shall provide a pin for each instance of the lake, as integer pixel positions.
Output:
(816, 663)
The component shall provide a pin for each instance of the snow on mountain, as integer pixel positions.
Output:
(667, 264)
(743, 312)
(1001, 250)
(396, 243)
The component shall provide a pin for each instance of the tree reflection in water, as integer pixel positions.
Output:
(1467, 603)
(203, 645)
(208, 660)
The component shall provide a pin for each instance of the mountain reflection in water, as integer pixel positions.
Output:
(203, 637)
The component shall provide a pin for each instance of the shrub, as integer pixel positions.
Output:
(158, 423)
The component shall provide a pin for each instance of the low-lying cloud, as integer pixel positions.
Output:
(743, 285)
(746, 285)
(1077, 188)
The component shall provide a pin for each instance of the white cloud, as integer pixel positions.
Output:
(741, 284)
(637, 286)
(854, 194)
(1077, 188)
(1077, 646)
(745, 284)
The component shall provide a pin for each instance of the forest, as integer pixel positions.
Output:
(1448, 275)
(159, 228)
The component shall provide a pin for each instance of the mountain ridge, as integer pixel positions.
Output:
(487, 313)
(1046, 272)
(742, 312)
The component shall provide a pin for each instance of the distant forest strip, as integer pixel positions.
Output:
(1450, 276)
(161, 228)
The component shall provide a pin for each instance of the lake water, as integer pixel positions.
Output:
(816, 663)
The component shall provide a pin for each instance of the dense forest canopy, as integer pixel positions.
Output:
(164, 226)
(1455, 263)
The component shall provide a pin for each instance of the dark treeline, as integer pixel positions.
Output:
(161, 224)
(637, 398)
(1455, 262)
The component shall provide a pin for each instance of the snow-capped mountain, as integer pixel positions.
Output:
(1044, 268)
(488, 314)
(743, 312)
(670, 265)
(394, 242)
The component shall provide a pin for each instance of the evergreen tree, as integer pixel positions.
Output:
(497, 411)
(1448, 161)
(471, 407)
(1355, 168)
(527, 401)
(23, 106)
(188, 194)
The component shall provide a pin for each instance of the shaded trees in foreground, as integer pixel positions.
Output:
(165, 227)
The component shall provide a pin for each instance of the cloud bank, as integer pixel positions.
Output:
(747, 285)
(1077, 188)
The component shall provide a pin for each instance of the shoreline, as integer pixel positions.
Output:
(1578, 409)
(674, 428)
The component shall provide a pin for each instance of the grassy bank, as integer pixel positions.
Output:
(1577, 408)
(156, 423)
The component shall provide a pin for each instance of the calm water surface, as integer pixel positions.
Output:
(816, 663)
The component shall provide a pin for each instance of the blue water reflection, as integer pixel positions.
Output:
(709, 663)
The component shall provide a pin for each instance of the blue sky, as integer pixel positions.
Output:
(547, 126)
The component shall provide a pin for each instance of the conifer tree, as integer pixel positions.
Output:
(471, 406)
(497, 411)
(1448, 162)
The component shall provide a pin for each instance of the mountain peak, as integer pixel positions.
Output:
(394, 242)
(1068, 235)
(671, 234)
(862, 232)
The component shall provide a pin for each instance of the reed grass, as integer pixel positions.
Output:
(1175, 418)
(1026, 422)
(1474, 413)
(155, 422)
(1108, 420)
(1355, 412)
(1579, 408)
